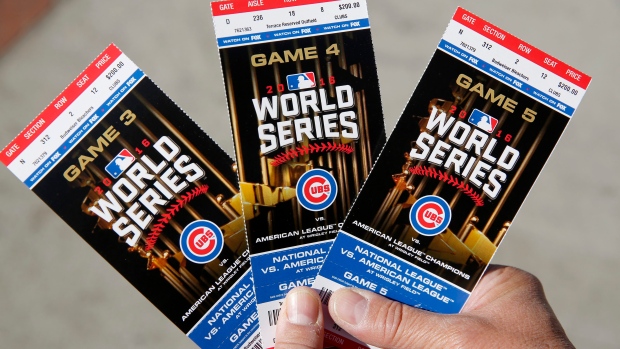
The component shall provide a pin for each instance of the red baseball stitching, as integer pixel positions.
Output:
(310, 149)
(449, 179)
(171, 211)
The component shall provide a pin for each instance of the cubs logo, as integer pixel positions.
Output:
(316, 190)
(430, 215)
(201, 241)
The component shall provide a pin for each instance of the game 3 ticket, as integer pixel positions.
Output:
(142, 184)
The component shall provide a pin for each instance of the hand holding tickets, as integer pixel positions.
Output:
(508, 309)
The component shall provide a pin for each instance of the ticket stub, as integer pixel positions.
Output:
(137, 179)
(307, 123)
(477, 131)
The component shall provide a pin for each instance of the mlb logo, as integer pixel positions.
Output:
(301, 81)
(121, 162)
(483, 121)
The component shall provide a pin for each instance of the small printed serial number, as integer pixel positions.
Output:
(39, 159)
(469, 47)
(243, 30)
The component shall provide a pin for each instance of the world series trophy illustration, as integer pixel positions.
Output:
(282, 170)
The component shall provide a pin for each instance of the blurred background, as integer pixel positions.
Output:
(55, 292)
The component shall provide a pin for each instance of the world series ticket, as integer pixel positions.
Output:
(307, 122)
(137, 179)
(478, 129)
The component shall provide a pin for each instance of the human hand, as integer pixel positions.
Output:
(508, 309)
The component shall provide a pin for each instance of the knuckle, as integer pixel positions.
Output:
(533, 281)
(521, 279)
(528, 281)
(392, 324)
(402, 330)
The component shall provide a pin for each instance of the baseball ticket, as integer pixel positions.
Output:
(476, 133)
(307, 124)
(145, 187)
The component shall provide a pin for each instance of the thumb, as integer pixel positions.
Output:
(384, 323)
(300, 324)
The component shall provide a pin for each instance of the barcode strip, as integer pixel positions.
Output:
(273, 316)
(325, 295)
(255, 343)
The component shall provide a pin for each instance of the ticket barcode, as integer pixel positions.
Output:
(273, 316)
(254, 343)
(325, 294)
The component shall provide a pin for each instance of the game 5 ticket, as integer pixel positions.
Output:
(142, 184)
(307, 124)
(476, 133)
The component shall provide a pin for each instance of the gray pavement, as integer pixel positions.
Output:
(55, 292)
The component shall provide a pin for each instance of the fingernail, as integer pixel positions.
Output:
(350, 306)
(302, 308)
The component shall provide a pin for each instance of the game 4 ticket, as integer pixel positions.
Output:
(307, 123)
